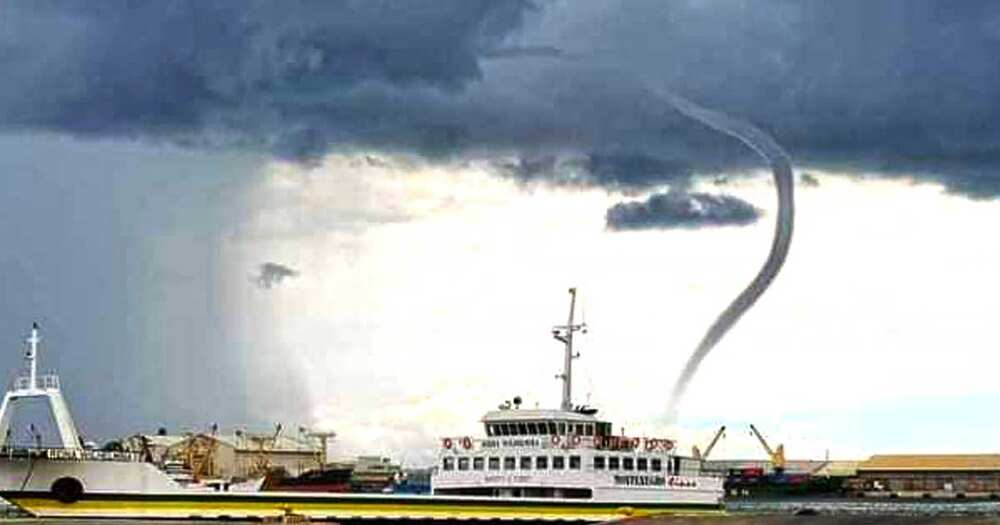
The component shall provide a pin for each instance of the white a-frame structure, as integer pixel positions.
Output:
(33, 386)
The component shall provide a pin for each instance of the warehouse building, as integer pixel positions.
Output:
(239, 455)
(928, 476)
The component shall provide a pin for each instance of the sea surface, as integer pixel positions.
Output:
(868, 507)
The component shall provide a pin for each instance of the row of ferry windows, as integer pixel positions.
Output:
(543, 428)
(558, 463)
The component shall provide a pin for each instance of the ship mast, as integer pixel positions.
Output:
(31, 356)
(564, 333)
(32, 387)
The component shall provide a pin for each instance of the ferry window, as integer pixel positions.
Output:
(507, 428)
(494, 463)
(641, 463)
(579, 429)
(542, 462)
(463, 463)
(449, 464)
(613, 463)
(677, 465)
(509, 462)
(532, 429)
(628, 463)
(477, 463)
(522, 429)
(589, 430)
(657, 465)
(558, 462)
(598, 462)
(525, 462)
(562, 429)
(574, 462)
(552, 427)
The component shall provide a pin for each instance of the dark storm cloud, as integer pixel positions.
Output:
(679, 209)
(809, 180)
(289, 76)
(524, 52)
(632, 170)
(272, 274)
(628, 171)
(895, 87)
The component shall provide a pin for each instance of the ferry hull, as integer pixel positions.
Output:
(235, 506)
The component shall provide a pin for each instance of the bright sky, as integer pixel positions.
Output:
(426, 296)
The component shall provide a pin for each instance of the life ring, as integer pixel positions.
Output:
(554, 441)
(446, 442)
(598, 441)
(576, 440)
(466, 442)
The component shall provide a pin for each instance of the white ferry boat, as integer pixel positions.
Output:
(586, 475)
(570, 454)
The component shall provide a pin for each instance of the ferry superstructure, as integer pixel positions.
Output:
(69, 481)
(570, 454)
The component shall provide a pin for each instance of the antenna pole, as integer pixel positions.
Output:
(565, 334)
(31, 356)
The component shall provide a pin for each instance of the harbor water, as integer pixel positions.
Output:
(864, 507)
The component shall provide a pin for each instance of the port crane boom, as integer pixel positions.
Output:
(708, 450)
(777, 455)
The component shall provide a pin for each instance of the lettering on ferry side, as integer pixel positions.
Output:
(655, 481)
(640, 481)
(681, 482)
(507, 479)
(511, 443)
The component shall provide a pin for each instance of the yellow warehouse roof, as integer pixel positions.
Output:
(838, 468)
(941, 462)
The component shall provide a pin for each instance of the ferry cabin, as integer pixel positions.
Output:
(564, 454)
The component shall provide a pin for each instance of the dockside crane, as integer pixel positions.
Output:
(702, 456)
(777, 455)
(265, 444)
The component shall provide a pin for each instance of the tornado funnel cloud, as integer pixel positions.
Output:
(781, 167)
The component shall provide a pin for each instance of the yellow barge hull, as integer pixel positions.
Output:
(238, 506)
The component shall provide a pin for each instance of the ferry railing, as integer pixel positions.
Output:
(566, 441)
(45, 382)
(69, 454)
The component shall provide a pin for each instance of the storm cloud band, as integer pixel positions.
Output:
(301, 78)
(680, 209)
